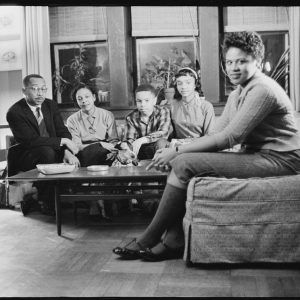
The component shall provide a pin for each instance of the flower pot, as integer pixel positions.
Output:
(169, 93)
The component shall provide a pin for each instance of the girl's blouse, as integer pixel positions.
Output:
(193, 119)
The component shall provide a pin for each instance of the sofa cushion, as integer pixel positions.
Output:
(243, 220)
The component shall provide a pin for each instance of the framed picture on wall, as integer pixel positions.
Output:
(10, 21)
(10, 38)
(86, 62)
(10, 55)
(156, 55)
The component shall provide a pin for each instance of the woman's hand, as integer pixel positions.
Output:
(162, 158)
(70, 145)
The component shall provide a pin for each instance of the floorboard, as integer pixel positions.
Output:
(35, 262)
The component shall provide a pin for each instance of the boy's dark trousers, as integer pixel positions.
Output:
(147, 151)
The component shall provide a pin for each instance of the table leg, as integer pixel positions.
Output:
(57, 209)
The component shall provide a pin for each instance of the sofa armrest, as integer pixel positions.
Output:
(217, 200)
(242, 220)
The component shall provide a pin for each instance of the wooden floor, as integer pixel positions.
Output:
(35, 262)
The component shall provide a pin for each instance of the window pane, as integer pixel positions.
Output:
(164, 20)
(276, 60)
(276, 57)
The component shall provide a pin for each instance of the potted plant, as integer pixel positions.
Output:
(161, 72)
(280, 71)
(77, 70)
(169, 90)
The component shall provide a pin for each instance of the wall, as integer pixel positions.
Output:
(10, 92)
(10, 82)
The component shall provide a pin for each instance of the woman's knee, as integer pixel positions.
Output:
(175, 181)
(188, 165)
(181, 164)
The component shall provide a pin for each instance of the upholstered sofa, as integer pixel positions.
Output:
(243, 220)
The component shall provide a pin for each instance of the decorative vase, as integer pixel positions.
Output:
(169, 93)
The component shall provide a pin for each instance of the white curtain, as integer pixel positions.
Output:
(294, 26)
(37, 58)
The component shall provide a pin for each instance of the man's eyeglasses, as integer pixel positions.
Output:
(37, 89)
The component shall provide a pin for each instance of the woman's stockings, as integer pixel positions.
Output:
(174, 238)
(170, 211)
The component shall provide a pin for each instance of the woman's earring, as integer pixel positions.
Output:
(259, 65)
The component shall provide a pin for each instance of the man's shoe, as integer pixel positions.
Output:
(25, 206)
(28, 204)
(46, 198)
(99, 219)
(167, 253)
(46, 210)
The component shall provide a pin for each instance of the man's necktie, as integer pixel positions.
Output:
(41, 123)
(38, 115)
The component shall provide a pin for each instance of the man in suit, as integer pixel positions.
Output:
(40, 133)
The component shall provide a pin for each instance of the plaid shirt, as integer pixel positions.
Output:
(158, 125)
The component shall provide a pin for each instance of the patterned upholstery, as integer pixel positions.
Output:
(243, 220)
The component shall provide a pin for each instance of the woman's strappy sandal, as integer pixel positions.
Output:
(167, 253)
(126, 253)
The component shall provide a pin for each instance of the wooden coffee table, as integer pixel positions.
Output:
(84, 185)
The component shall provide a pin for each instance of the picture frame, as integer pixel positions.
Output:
(82, 62)
(154, 54)
(10, 55)
(10, 38)
(10, 22)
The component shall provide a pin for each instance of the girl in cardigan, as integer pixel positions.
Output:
(192, 116)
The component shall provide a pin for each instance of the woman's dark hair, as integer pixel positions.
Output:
(187, 72)
(82, 86)
(248, 41)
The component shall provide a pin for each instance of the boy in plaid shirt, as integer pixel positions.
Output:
(149, 125)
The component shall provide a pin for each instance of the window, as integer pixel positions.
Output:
(276, 57)
(79, 51)
(272, 24)
(77, 23)
(166, 40)
(164, 21)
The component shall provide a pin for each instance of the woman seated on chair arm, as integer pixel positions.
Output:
(258, 115)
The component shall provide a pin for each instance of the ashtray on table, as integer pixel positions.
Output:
(48, 169)
(97, 168)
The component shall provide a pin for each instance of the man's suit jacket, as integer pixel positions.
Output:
(24, 126)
